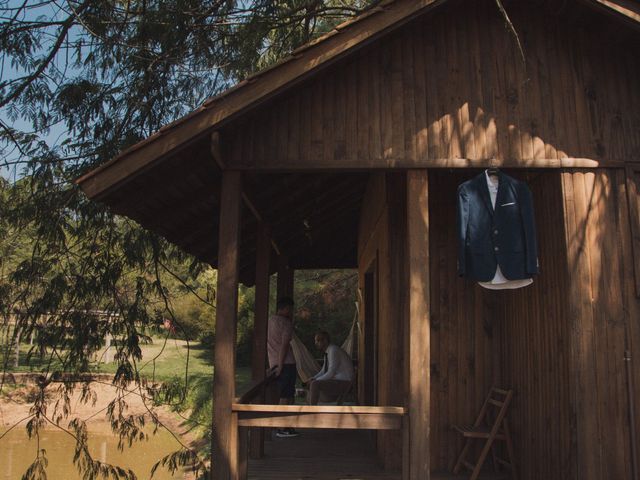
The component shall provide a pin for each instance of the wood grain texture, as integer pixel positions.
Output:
(374, 421)
(417, 442)
(261, 317)
(601, 304)
(532, 328)
(462, 364)
(225, 440)
(449, 89)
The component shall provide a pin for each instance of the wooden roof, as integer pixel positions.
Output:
(257, 88)
(169, 182)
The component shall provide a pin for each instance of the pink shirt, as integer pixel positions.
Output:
(280, 331)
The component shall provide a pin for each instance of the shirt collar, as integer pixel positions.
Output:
(490, 184)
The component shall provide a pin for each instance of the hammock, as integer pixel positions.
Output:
(306, 364)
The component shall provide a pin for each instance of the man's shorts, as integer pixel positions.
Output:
(287, 381)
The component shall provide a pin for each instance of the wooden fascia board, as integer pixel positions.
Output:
(621, 10)
(630, 11)
(252, 93)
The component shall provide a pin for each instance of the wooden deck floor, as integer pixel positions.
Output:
(325, 455)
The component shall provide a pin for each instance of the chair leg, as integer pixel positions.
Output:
(481, 459)
(507, 438)
(494, 457)
(462, 456)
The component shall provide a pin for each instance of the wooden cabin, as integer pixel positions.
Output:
(348, 153)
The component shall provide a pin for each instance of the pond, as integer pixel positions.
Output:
(17, 452)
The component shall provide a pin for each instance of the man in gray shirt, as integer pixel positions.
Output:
(336, 375)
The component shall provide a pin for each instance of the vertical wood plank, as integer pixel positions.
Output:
(261, 316)
(243, 460)
(328, 118)
(292, 154)
(420, 92)
(408, 95)
(476, 105)
(418, 437)
(339, 123)
(376, 148)
(634, 220)
(386, 102)
(583, 368)
(317, 122)
(364, 117)
(306, 114)
(224, 439)
(434, 135)
(394, 298)
(352, 119)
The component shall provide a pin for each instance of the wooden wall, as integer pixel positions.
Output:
(381, 238)
(532, 330)
(463, 343)
(449, 89)
(603, 319)
(559, 343)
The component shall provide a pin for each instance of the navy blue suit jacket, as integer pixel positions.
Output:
(488, 238)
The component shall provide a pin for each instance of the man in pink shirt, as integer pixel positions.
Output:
(280, 331)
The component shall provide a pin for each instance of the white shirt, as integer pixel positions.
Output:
(499, 281)
(339, 365)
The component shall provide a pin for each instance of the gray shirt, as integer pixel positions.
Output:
(337, 365)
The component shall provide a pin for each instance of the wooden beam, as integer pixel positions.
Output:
(225, 435)
(303, 416)
(627, 8)
(417, 433)
(354, 163)
(377, 421)
(339, 409)
(261, 316)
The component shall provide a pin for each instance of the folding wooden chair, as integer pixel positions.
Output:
(490, 425)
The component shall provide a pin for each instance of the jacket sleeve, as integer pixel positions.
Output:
(529, 225)
(462, 223)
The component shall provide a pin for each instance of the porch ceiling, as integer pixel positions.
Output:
(313, 217)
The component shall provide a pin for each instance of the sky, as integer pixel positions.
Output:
(8, 71)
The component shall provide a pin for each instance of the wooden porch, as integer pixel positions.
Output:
(327, 455)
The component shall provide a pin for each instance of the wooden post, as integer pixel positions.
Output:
(417, 429)
(243, 461)
(225, 435)
(285, 278)
(577, 190)
(261, 316)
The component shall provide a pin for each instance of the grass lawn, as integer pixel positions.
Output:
(162, 360)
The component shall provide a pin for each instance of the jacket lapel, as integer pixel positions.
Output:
(503, 188)
(484, 192)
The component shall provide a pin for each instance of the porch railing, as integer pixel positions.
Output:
(245, 415)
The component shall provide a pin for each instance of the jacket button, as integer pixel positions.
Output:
(495, 232)
(496, 248)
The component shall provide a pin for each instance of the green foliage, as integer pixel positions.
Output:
(83, 80)
(325, 300)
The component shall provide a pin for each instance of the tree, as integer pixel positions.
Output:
(82, 80)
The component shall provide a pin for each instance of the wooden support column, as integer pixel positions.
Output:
(261, 316)
(577, 189)
(417, 428)
(285, 278)
(225, 430)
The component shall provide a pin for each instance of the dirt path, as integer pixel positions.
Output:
(15, 405)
